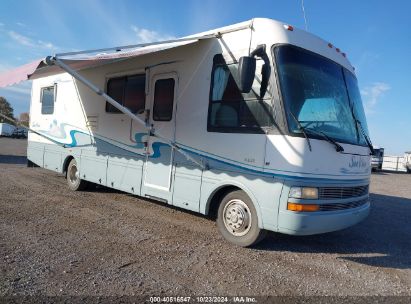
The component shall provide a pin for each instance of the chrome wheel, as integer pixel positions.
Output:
(237, 217)
(73, 174)
(74, 180)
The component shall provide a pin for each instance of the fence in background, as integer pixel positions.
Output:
(393, 163)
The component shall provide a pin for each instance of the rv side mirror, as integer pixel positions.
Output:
(246, 71)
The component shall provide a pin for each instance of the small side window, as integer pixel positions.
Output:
(47, 100)
(163, 99)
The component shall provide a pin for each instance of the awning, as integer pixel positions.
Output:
(91, 58)
(86, 59)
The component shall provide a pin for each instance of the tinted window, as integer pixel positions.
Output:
(47, 100)
(134, 98)
(129, 91)
(233, 111)
(115, 89)
(163, 100)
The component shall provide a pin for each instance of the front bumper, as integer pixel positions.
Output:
(306, 223)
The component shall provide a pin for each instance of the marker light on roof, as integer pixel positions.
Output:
(344, 54)
(330, 45)
(288, 27)
(338, 50)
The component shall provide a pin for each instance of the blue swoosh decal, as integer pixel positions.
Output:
(156, 149)
(156, 146)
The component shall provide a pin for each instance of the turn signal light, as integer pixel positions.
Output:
(302, 207)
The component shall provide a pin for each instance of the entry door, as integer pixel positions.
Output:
(158, 165)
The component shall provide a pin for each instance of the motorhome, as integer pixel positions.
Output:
(6, 129)
(258, 124)
(377, 158)
(407, 161)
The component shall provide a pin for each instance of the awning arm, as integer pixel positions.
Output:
(53, 60)
(194, 37)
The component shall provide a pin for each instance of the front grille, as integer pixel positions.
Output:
(342, 206)
(342, 192)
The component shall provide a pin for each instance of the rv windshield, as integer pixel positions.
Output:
(322, 95)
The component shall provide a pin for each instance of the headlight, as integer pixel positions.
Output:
(303, 192)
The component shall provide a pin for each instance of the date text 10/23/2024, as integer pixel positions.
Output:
(204, 299)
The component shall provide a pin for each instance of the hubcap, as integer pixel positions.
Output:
(73, 174)
(237, 217)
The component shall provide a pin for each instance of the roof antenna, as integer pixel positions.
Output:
(305, 18)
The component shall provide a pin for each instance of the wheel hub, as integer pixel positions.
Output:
(73, 174)
(237, 217)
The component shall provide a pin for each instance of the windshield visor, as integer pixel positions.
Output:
(322, 95)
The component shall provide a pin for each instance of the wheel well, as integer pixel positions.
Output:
(66, 164)
(216, 199)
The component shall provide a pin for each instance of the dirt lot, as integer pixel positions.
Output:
(102, 242)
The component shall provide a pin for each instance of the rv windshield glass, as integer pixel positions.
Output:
(321, 94)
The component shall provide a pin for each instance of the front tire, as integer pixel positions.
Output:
(237, 220)
(74, 181)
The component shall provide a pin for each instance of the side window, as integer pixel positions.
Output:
(47, 100)
(129, 91)
(233, 111)
(163, 99)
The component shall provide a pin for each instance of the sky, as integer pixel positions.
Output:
(375, 34)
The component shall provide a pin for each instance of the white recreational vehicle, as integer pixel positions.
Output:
(259, 123)
(407, 161)
(377, 158)
(6, 129)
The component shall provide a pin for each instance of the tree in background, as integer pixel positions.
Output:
(5, 109)
(24, 119)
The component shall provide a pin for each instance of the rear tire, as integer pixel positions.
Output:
(74, 181)
(237, 220)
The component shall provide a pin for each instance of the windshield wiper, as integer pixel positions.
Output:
(367, 139)
(302, 130)
(358, 123)
(338, 147)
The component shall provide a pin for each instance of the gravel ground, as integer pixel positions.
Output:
(102, 242)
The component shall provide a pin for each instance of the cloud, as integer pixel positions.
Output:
(18, 96)
(146, 35)
(372, 94)
(1, 24)
(46, 45)
(26, 41)
(21, 24)
(21, 39)
(23, 88)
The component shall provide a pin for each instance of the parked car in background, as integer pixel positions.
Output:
(19, 133)
(6, 129)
